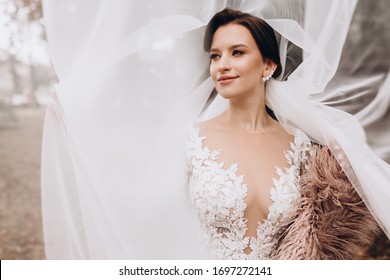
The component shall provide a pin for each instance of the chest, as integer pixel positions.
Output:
(252, 159)
(221, 197)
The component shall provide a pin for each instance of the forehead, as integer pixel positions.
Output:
(232, 34)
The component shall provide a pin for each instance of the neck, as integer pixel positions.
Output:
(248, 113)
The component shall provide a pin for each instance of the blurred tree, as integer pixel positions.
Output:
(20, 16)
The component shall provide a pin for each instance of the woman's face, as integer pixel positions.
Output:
(236, 64)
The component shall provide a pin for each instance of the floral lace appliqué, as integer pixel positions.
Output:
(218, 196)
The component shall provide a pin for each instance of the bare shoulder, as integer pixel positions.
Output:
(282, 133)
(210, 126)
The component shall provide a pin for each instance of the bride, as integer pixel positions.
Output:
(242, 200)
(140, 161)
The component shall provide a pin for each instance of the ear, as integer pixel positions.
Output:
(270, 67)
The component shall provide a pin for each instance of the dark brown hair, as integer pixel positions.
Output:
(263, 34)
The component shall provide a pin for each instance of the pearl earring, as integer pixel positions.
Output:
(268, 77)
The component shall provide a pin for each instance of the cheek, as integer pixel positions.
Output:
(212, 71)
(253, 71)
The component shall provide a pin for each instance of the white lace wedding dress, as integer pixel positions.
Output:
(218, 194)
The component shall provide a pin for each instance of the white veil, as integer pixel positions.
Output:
(133, 75)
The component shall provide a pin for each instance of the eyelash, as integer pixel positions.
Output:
(238, 52)
(214, 56)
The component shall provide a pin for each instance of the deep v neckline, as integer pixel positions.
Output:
(235, 168)
(276, 210)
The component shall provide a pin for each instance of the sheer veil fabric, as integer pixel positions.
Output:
(133, 77)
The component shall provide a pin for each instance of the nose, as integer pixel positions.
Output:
(224, 64)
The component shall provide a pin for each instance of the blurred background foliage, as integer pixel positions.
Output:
(25, 70)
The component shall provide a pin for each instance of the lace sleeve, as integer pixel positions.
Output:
(191, 144)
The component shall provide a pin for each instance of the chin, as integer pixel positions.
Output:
(229, 93)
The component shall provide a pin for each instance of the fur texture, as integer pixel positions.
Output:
(332, 221)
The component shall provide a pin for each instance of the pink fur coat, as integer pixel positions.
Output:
(332, 221)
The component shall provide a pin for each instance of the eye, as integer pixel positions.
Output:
(214, 56)
(238, 52)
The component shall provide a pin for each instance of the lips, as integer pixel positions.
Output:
(226, 79)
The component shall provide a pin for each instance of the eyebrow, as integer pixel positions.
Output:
(231, 47)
